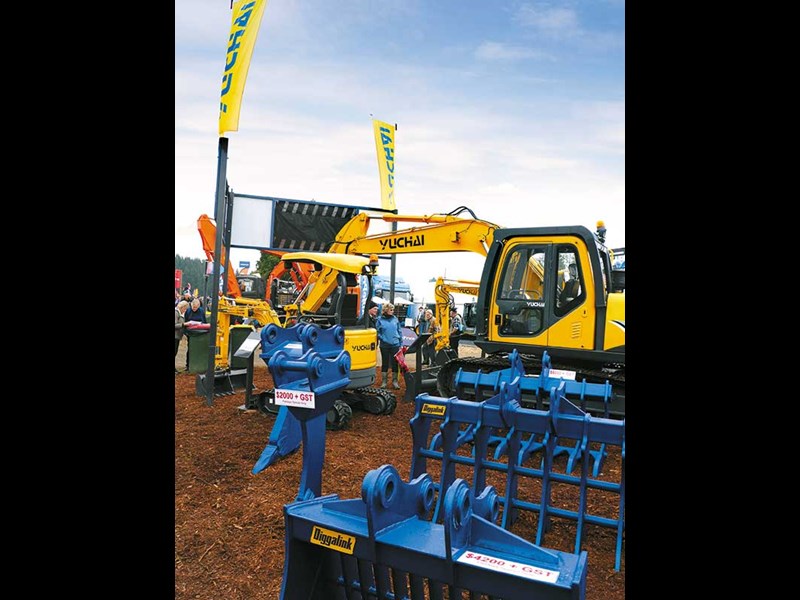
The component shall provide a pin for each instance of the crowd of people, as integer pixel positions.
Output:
(390, 337)
(428, 323)
(189, 308)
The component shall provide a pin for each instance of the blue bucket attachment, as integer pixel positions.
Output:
(383, 546)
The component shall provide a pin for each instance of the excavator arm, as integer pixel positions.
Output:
(437, 233)
(233, 304)
(442, 290)
(208, 234)
(324, 279)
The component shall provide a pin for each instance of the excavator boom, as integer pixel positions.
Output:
(443, 290)
(208, 234)
(438, 233)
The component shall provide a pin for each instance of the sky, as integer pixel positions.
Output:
(514, 109)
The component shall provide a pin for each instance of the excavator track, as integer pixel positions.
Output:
(376, 401)
(445, 379)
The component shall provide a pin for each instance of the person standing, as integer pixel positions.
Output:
(427, 326)
(456, 329)
(422, 320)
(390, 337)
(372, 315)
(196, 313)
(180, 324)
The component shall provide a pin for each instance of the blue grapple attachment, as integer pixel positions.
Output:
(304, 358)
(517, 434)
(581, 393)
(383, 546)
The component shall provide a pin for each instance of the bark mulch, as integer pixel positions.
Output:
(229, 529)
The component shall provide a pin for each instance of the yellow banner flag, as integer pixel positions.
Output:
(245, 21)
(384, 144)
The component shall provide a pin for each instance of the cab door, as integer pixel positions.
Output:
(539, 299)
(572, 318)
(518, 312)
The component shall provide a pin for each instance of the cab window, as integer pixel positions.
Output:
(520, 296)
(569, 291)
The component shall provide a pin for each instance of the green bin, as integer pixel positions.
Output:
(198, 351)
(238, 334)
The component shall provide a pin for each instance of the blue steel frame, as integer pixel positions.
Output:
(479, 423)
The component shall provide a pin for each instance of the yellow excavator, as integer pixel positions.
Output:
(335, 295)
(443, 291)
(542, 289)
(332, 296)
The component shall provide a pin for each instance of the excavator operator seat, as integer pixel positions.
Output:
(572, 288)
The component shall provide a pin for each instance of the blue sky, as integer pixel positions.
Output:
(515, 109)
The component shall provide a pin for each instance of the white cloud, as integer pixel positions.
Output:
(527, 147)
(495, 51)
(553, 21)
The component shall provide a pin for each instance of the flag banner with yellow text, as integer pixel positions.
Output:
(384, 144)
(245, 21)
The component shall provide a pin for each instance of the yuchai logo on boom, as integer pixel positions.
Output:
(408, 241)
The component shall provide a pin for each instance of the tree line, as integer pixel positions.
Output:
(194, 271)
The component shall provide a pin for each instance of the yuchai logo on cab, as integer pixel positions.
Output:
(362, 347)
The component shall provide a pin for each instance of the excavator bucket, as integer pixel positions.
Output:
(500, 435)
(424, 378)
(382, 545)
(237, 375)
(227, 382)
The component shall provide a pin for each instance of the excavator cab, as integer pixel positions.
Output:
(532, 306)
(252, 286)
(548, 291)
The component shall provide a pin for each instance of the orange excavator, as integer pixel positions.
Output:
(233, 308)
(208, 233)
(295, 274)
(286, 280)
(283, 284)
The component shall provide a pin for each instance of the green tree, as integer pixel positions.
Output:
(194, 270)
(266, 263)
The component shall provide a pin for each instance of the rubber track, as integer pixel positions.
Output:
(351, 397)
(359, 396)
